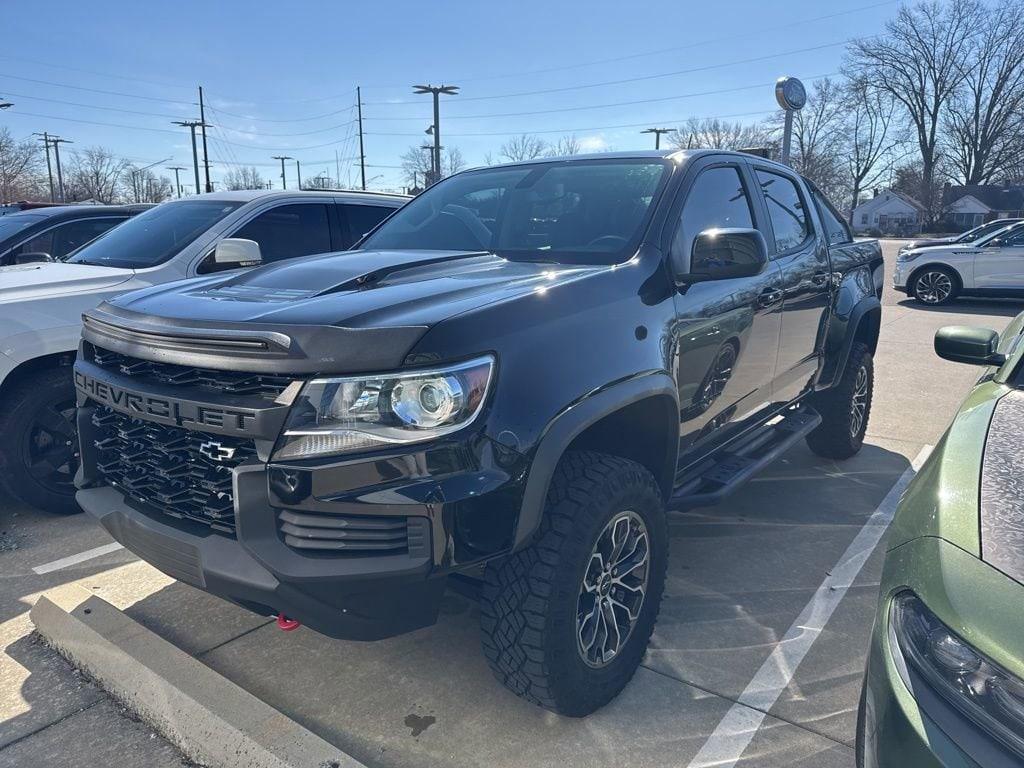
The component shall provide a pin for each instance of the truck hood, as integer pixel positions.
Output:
(32, 281)
(354, 289)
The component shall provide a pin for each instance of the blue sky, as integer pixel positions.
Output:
(282, 80)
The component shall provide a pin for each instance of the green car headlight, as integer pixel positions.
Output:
(357, 413)
(977, 687)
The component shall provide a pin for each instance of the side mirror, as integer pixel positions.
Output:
(237, 252)
(722, 254)
(33, 257)
(966, 344)
(995, 242)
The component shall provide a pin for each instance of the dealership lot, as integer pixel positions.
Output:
(779, 561)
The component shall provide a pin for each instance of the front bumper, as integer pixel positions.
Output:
(899, 276)
(904, 725)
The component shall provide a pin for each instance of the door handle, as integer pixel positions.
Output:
(820, 279)
(769, 297)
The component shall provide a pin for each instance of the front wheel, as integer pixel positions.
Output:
(39, 450)
(845, 408)
(565, 622)
(935, 286)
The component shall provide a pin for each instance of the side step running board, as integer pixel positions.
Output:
(715, 478)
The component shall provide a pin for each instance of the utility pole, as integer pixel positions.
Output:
(177, 178)
(192, 125)
(282, 158)
(55, 142)
(437, 90)
(657, 134)
(362, 154)
(45, 138)
(206, 157)
(298, 173)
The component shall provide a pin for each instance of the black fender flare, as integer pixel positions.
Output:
(835, 365)
(570, 423)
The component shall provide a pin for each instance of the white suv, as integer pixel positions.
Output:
(41, 305)
(990, 266)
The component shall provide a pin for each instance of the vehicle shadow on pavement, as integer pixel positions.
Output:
(969, 306)
(738, 577)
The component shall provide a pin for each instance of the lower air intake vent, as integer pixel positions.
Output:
(355, 535)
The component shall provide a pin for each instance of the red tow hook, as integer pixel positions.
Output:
(285, 624)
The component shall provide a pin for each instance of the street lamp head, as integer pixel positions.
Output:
(449, 90)
(6, 104)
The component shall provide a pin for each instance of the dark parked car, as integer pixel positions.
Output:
(57, 231)
(507, 386)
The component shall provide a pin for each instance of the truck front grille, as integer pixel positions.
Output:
(174, 471)
(354, 535)
(202, 379)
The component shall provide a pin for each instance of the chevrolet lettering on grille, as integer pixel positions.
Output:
(167, 410)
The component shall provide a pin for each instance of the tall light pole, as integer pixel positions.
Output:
(436, 91)
(657, 134)
(282, 158)
(362, 154)
(177, 178)
(791, 96)
(191, 125)
(298, 173)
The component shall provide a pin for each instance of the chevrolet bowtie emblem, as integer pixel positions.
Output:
(217, 451)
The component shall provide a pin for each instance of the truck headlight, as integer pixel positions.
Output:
(357, 413)
(981, 690)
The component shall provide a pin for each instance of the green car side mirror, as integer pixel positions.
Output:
(966, 344)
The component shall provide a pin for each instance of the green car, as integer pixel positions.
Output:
(945, 677)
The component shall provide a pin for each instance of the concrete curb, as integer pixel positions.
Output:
(209, 718)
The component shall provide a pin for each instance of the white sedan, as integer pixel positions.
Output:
(991, 266)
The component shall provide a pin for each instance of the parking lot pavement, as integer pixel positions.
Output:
(742, 577)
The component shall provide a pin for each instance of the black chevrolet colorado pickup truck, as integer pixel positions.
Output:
(507, 385)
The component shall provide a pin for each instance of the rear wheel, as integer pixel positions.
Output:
(39, 450)
(565, 621)
(845, 408)
(935, 286)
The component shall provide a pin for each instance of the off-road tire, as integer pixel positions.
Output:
(927, 273)
(529, 601)
(18, 411)
(836, 437)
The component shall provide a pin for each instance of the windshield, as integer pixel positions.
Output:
(14, 223)
(583, 211)
(155, 236)
(973, 235)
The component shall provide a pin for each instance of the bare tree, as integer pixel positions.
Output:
(523, 147)
(566, 147)
(417, 163)
(20, 168)
(245, 177)
(819, 131)
(870, 142)
(94, 174)
(713, 133)
(921, 60)
(144, 186)
(984, 122)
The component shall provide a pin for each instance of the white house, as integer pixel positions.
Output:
(891, 213)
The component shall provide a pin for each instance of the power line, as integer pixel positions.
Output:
(39, 62)
(97, 90)
(641, 78)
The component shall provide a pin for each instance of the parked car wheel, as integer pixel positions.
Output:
(39, 450)
(565, 621)
(935, 286)
(845, 408)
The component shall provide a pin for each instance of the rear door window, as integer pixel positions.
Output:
(835, 228)
(786, 209)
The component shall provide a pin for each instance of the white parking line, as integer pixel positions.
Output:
(736, 730)
(81, 557)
